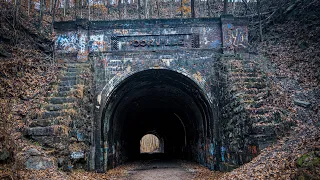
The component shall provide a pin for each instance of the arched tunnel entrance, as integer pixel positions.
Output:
(161, 102)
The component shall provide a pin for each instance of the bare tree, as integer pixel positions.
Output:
(233, 6)
(171, 8)
(193, 14)
(17, 9)
(158, 8)
(209, 8)
(50, 6)
(89, 10)
(139, 9)
(225, 7)
(119, 8)
(41, 15)
(181, 5)
(53, 14)
(125, 2)
(259, 14)
(29, 6)
(146, 12)
(65, 6)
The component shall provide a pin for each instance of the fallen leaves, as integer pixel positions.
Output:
(201, 172)
(279, 161)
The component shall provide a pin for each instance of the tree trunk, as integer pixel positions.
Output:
(29, 6)
(259, 14)
(151, 8)
(64, 7)
(53, 14)
(50, 6)
(125, 9)
(76, 4)
(108, 8)
(181, 6)
(146, 12)
(225, 7)
(233, 6)
(89, 10)
(171, 9)
(139, 9)
(17, 7)
(119, 8)
(199, 8)
(193, 13)
(209, 8)
(41, 16)
(81, 5)
(158, 9)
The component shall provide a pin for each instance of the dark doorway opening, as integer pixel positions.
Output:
(161, 102)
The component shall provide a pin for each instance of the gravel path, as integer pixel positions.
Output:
(160, 169)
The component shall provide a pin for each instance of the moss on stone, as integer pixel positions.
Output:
(309, 160)
(309, 166)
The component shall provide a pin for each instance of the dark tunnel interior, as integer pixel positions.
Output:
(161, 102)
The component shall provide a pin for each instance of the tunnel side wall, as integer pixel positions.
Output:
(247, 124)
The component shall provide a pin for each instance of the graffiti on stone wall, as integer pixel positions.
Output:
(96, 43)
(67, 42)
(121, 31)
(198, 77)
(83, 39)
(83, 53)
(235, 37)
(211, 149)
(113, 66)
(73, 42)
(253, 150)
(215, 44)
(77, 155)
(223, 153)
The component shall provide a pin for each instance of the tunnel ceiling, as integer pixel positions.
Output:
(162, 102)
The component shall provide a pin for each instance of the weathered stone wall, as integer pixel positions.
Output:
(247, 123)
(98, 56)
(63, 123)
(240, 89)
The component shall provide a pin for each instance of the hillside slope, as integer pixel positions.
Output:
(291, 56)
(27, 73)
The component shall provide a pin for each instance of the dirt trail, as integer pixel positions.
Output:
(160, 169)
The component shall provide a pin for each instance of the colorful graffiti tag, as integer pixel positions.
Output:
(235, 37)
(96, 43)
(67, 42)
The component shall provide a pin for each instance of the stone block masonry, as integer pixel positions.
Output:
(175, 78)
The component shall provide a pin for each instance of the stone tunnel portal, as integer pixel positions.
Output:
(187, 81)
(163, 102)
